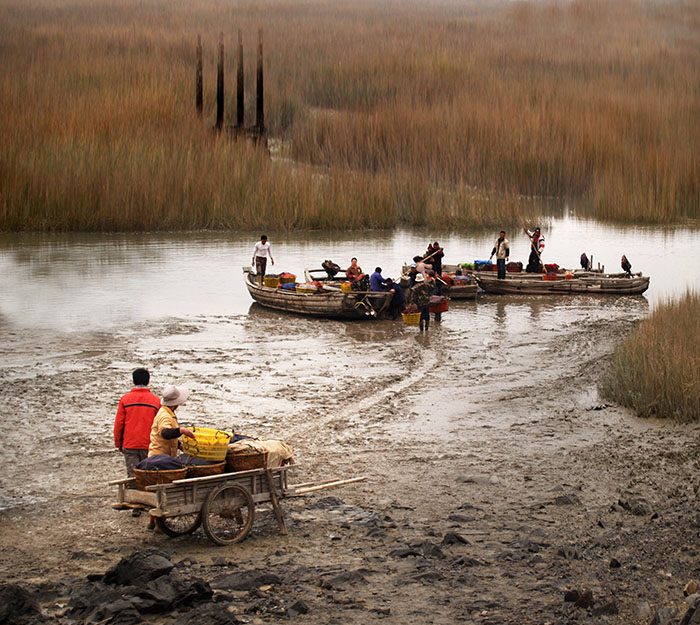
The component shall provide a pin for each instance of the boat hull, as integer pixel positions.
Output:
(593, 284)
(331, 305)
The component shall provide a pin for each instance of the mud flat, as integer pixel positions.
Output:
(500, 489)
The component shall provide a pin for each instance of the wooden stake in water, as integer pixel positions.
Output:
(220, 86)
(199, 97)
(240, 97)
(260, 110)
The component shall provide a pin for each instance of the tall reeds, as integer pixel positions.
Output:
(656, 370)
(389, 113)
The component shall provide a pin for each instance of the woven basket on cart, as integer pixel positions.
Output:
(202, 470)
(149, 478)
(208, 444)
(246, 460)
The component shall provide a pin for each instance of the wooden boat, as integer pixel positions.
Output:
(460, 288)
(331, 302)
(580, 282)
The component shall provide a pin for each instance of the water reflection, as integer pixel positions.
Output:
(72, 282)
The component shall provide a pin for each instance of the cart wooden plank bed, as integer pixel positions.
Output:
(223, 504)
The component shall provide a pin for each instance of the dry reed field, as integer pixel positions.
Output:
(450, 113)
(656, 370)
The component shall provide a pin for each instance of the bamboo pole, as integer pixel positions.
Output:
(240, 95)
(220, 86)
(199, 97)
(260, 104)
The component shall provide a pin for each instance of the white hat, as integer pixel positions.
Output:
(420, 277)
(175, 395)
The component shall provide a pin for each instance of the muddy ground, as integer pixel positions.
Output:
(497, 479)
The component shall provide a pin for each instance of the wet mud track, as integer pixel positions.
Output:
(497, 479)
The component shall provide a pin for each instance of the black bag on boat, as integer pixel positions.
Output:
(361, 285)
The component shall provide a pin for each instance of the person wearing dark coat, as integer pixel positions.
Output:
(626, 266)
(398, 301)
(434, 256)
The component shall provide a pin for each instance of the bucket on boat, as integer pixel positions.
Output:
(346, 287)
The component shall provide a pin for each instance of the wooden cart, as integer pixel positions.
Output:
(223, 504)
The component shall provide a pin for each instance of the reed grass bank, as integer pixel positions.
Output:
(392, 113)
(656, 370)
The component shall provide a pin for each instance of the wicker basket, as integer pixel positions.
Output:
(273, 283)
(246, 460)
(288, 279)
(202, 470)
(411, 319)
(149, 478)
(208, 444)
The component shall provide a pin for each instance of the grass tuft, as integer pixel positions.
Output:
(656, 370)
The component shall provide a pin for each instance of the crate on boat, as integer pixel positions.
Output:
(272, 281)
(306, 288)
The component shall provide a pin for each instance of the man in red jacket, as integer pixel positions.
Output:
(132, 425)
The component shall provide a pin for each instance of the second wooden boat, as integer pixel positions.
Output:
(581, 282)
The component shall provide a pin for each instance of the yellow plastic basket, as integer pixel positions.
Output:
(272, 283)
(208, 444)
(411, 319)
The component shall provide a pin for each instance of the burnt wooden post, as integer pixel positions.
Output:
(240, 97)
(199, 87)
(220, 86)
(260, 105)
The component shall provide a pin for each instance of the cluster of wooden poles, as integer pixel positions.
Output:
(256, 132)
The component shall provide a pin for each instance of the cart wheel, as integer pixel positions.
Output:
(228, 513)
(179, 525)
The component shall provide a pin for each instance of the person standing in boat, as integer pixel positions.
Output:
(534, 263)
(354, 271)
(502, 251)
(434, 256)
(260, 254)
(422, 266)
(376, 281)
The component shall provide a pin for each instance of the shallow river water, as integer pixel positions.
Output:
(78, 313)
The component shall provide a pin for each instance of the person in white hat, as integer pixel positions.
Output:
(419, 296)
(166, 430)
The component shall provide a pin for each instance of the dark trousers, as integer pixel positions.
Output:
(533, 263)
(260, 265)
(501, 266)
(132, 457)
(424, 316)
